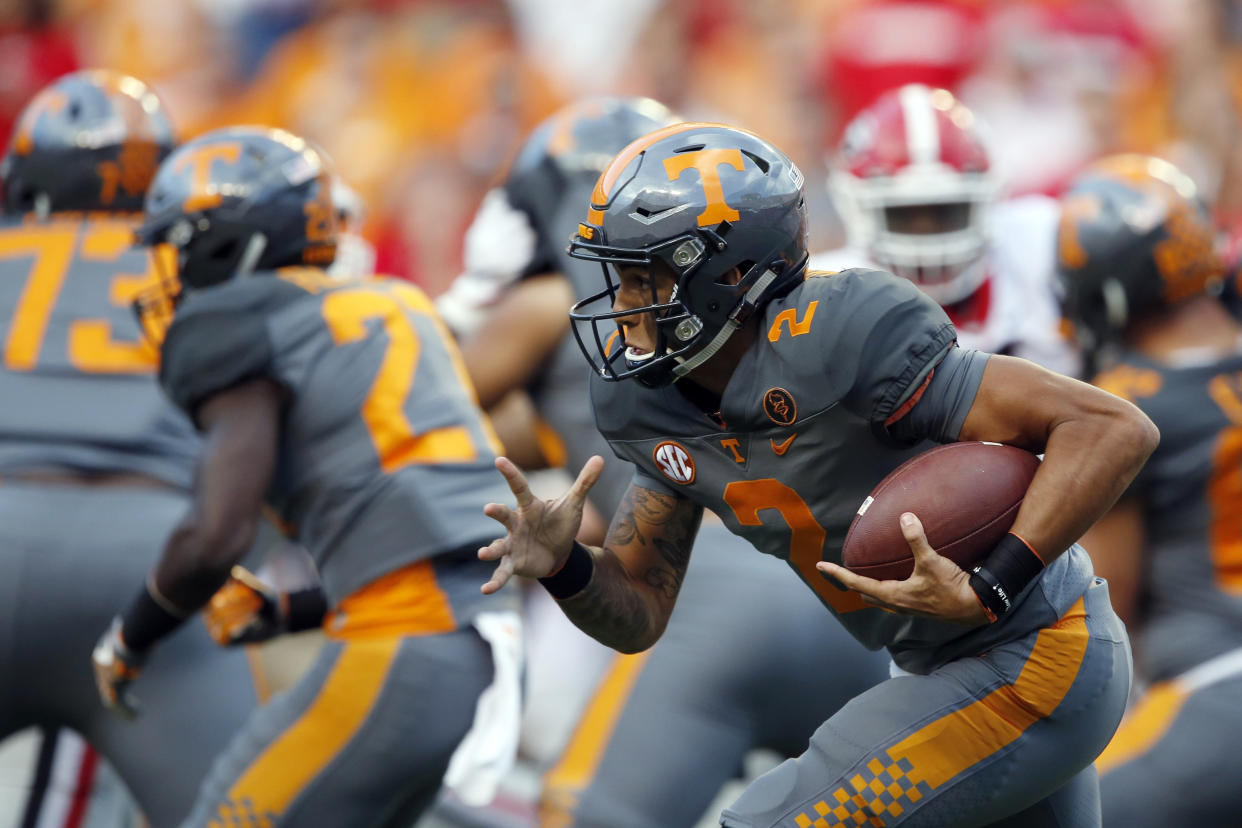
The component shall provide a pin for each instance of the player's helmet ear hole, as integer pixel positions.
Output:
(734, 274)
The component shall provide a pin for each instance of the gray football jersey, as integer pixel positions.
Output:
(385, 459)
(77, 375)
(800, 442)
(1191, 490)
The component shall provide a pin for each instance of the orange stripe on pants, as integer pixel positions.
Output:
(946, 747)
(950, 745)
(564, 783)
(1145, 725)
(288, 764)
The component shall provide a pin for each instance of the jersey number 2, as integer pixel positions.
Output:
(347, 313)
(747, 498)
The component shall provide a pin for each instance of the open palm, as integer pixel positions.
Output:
(540, 533)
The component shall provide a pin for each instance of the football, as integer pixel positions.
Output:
(966, 495)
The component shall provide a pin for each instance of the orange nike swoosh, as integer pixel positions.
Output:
(783, 446)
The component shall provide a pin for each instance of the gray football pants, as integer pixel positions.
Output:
(1006, 738)
(750, 659)
(1174, 759)
(72, 557)
(362, 740)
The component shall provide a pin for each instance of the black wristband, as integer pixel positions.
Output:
(1002, 576)
(573, 577)
(146, 622)
(306, 609)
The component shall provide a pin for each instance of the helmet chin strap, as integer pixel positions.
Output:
(250, 256)
(735, 321)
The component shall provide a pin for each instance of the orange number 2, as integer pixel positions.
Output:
(747, 498)
(347, 313)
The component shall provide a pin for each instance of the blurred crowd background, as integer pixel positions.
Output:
(421, 103)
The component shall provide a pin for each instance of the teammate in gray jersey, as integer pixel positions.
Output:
(96, 464)
(343, 407)
(766, 668)
(1137, 257)
(797, 394)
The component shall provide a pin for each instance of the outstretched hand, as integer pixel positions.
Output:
(540, 533)
(937, 588)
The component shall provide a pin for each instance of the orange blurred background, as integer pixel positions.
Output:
(421, 103)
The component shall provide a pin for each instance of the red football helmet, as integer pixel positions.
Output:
(912, 182)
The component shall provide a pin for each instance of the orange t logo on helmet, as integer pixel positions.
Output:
(200, 197)
(708, 162)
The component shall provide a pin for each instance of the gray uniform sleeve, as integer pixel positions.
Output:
(212, 350)
(940, 411)
(892, 336)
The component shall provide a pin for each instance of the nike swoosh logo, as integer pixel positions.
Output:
(783, 446)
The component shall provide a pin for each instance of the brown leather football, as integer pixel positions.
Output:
(966, 495)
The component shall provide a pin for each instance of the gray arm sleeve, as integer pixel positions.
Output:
(940, 412)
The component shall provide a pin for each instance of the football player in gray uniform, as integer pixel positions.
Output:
(765, 667)
(737, 382)
(96, 463)
(1136, 252)
(342, 406)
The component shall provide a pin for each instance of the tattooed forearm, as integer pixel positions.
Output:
(639, 571)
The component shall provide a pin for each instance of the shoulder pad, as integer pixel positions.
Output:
(219, 339)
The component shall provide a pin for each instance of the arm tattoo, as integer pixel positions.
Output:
(639, 571)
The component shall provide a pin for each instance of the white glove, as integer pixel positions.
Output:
(499, 247)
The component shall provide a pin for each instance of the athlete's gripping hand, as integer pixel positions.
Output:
(243, 611)
(540, 533)
(937, 588)
(116, 666)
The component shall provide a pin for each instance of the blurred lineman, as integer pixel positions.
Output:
(736, 382)
(913, 182)
(343, 407)
(680, 720)
(1136, 253)
(96, 464)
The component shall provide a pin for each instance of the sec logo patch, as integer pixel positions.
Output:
(780, 407)
(674, 462)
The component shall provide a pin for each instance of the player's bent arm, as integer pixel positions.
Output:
(239, 456)
(1094, 444)
(638, 572)
(1116, 543)
(521, 330)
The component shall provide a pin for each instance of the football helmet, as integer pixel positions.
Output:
(698, 200)
(90, 141)
(579, 140)
(241, 199)
(912, 181)
(1134, 236)
(521, 227)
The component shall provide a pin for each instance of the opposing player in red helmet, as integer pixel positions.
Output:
(914, 184)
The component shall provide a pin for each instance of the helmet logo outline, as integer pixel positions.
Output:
(200, 159)
(708, 163)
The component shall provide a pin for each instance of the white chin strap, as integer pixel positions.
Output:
(688, 364)
(250, 256)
